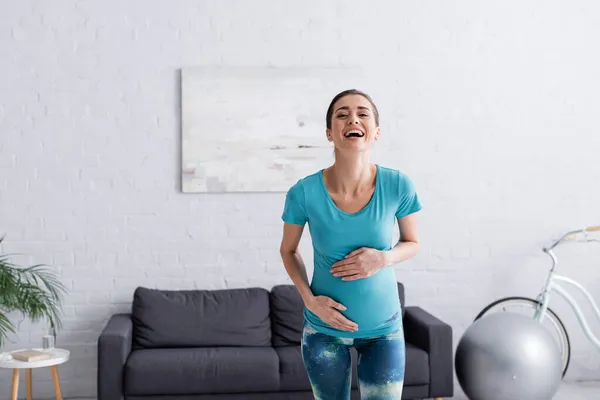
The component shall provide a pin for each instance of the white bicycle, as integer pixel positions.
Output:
(538, 309)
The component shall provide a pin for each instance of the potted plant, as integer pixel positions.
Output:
(33, 291)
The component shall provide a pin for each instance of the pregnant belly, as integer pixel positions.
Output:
(370, 302)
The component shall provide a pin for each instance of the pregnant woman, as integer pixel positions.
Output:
(351, 208)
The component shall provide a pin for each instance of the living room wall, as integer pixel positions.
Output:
(491, 108)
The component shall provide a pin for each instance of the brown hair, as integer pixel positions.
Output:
(347, 93)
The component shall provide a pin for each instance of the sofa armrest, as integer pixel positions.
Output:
(435, 337)
(114, 346)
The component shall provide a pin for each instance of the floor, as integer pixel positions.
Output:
(567, 391)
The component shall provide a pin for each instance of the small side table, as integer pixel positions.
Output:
(57, 356)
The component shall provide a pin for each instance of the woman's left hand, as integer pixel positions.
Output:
(361, 263)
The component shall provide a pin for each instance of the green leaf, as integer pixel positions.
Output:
(5, 328)
(34, 291)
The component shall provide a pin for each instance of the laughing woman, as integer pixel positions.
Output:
(352, 301)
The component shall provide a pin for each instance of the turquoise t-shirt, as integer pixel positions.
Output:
(373, 302)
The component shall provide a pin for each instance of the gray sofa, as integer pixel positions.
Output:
(241, 344)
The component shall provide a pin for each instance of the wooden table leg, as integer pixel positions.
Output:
(15, 384)
(28, 376)
(56, 382)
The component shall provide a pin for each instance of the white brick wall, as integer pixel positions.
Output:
(492, 109)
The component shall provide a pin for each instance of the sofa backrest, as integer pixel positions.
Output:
(200, 318)
(225, 317)
(286, 314)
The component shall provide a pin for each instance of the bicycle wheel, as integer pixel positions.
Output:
(557, 328)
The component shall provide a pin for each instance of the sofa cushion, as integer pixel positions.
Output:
(195, 318)
(286, 314)
(294, 377)
(417, 366)
(291, 368)
(201, 370)
(402, 297)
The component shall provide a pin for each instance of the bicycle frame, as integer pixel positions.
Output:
(552, 285)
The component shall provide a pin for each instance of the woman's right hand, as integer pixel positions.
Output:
(327, 309)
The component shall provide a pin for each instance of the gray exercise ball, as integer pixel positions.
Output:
(508, 356)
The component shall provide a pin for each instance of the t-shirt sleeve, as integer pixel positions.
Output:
(294, 209)
(408, 199)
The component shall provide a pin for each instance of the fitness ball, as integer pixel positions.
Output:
(508, 356)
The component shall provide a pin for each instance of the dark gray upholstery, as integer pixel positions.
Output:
(169, 318)
(202, 370)
(114, 348)
(286, 315)
(435, 337)
(291, 369)
(409, 392)
(246, 396)
(241, 344)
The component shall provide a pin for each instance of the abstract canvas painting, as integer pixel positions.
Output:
(256, 129)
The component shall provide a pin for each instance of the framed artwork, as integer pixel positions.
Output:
(255, 129)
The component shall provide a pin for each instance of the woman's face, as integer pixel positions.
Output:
(353, 124)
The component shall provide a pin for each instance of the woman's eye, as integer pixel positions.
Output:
(341, 115)
(364, 115)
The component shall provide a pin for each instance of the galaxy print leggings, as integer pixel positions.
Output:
(381, 363)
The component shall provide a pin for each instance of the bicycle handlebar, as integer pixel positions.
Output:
(572, 235)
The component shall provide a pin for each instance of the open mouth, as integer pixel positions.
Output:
(354, 133)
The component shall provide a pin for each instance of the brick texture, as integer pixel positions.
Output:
(491, 110)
